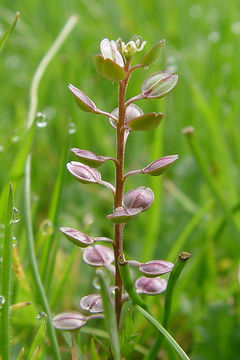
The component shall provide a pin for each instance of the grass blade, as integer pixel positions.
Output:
(6, 278)
(38, 337)
(164, 332)
(109, 317)
(3, 40)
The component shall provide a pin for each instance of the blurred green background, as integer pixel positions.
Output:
(193, 198)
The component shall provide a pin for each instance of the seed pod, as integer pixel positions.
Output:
(159, 84)
(158, 167)
(133, 111)
(155, 268)
(109, 69)
(88, 157)
(83, 173)
(122, 215)
(149, 286)
(69, 320)
(146, 122)
(140, 197)
(82, 100)
(92, 303)
(77, 237)
(98, 255)
(152, 54)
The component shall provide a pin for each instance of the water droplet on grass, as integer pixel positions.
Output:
(16, 216)
(14, 243)
(2, 301)
(15, 139)
(72, 128)
(46, 227)
(41, 315)
(1, 148)
(146, 67)
(41, 121)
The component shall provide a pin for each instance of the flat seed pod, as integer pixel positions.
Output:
(98, 255)
(77, 237)
(146, 122)
(155, 268)
(152, 54)
(69, 320)
(150, 286)
(92, 303)
(88, 157)
(82, 100)
(133, 111)
(159, 84)
(141, 197)
(122, 215)
(158, 167)
(83, 173)
(109, 69)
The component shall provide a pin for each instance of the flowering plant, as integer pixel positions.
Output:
(115, 63)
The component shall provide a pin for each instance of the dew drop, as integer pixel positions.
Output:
(46, 227)
(41, 120)
(2, 301)
(15, 139)
(95, 283)
(1, 148)
(14, 241)
(41, 316)
(72, 128)
(16, 215)
(146, 67)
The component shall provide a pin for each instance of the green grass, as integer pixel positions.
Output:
(199, 213)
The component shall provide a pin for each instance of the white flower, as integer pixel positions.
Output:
(129, 49)
(109, 51)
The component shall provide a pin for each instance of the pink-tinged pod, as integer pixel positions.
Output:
(155, 268)
(77, 237)
(98, 255)
(150, 286)
(158, 167)
(133, 111)
(82, 100)
(83, 173)
(159, 84)
(141, 197)
(122, 215)
(89, 158)
(69, 320)
(92, 303)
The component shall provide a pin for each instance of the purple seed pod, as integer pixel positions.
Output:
(98, 255)
(158, 167)
(141, 197)
(133, 111)
(69, 320)
(92, 303)
(77, 237)
(152, 286)
(88, 157)
(159, 84)
(83, 173)
(122, 215)
(110, 51)
(155, 268)
(83, 100)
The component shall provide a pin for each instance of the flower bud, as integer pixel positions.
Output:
(92, 303)
(149, 286)
(158, 167)
(122, 215)
(77, 237)
(69, 320)
(98, 255)
(83, 173)
(152, 54)
(155, 268)
(159, 84)
(82, 100)
(146, 122)
(88, 158)
(140, 197)
(133, 111)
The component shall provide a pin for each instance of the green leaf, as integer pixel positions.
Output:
(109, 317)
(146, 122)
(35, 348)
(99, 64)
(93, 351)
(21, 354)
(165, 333)
(152, 54)
(3, 40)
